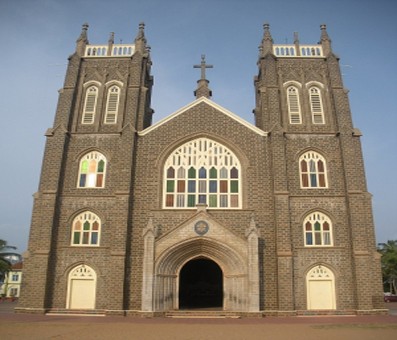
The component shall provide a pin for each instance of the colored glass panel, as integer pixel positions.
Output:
(94, 238)
(101, 166)
(84, 166)
(86, 225)
(191, 186)
(181, 173)
(234, 173)
(92, 166)
(169, 202)
(309, 239)
(83, 178)
(86, 238)
(223, 173)
(313, 180)
(191, 173)
(181, 185)
(202, 186)
(303, 166)
(320, 165)
(223, 201)
(202, 198)
(325, 226)
(95, 226)
(223, 186)
(180, 200)
(170, 173)
(305, 180)
(321, 179)
(213, 173)
(317, 239)
(213, 186)
(191, 200)
(308, 226)
(234, 186)
(234, 201)
(170, 186)
(213, 201)
(99, 181)
(317, 226)
(327, 239)
(76, 237)
(203, 172)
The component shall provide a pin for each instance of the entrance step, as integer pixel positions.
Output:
(210, 314)
(77, 312)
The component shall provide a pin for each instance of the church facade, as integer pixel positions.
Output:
(202, 210)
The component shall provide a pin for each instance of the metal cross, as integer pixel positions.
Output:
(203, 66)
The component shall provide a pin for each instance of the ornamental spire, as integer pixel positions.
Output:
(325, 40)
(267, 41)
(140, 40)
(82, 40)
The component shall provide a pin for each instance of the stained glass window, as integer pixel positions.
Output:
(206, 172)
(92, 170)
(317, 230)
(86, 229)
(313, 170)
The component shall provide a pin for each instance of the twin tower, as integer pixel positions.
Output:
(202, 210)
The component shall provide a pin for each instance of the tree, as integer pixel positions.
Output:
(389, 265)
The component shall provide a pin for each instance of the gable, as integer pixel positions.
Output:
(209, 103)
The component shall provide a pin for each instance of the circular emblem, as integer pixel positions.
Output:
(201, 227)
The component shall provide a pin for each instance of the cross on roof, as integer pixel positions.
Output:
(203, 66)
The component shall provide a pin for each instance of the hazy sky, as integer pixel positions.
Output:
(37, 36)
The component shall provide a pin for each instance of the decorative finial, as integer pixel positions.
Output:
(325, 40)
(202, 88)
(111, 38)
(267, 41)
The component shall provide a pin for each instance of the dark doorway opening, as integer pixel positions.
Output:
(200, 285)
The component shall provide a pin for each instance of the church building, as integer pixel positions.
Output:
(202, 211)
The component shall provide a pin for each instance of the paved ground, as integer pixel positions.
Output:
(24, 326)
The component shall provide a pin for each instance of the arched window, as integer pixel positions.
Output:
(313, 170)
(294, 108)
(92, 170)
(86, 229)
(316, 105)
(91, 97)
(317, 230)
(112, 105)
(202, 171)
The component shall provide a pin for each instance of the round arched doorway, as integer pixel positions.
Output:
(200, 285)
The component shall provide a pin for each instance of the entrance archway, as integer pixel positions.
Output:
(200, 285)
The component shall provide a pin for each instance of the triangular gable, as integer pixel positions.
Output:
(211, 103)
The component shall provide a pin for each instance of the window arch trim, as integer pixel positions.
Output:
(318, 230)
(195, 172)
(313, 172)
(86, 229)
(293, 104)
(92, 170)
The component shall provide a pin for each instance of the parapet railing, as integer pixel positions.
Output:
(307, 51)
(116, 50)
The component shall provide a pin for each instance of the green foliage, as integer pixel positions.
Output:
(389, 265)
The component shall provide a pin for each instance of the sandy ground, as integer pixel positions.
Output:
(24, 326)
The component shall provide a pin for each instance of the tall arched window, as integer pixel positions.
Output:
(313, 170)
(294, 108)
(91, 97)
(86, 229)
(316, 105)
(202, 171)
(92, 170)
(112, 105)
(317, 230)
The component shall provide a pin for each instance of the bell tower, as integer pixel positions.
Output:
(104, 102)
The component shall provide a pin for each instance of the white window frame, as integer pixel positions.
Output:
(82, 218)
(112, 105)
(294, 107)
(325, 237)
(207, 154)
(316, 105)
(90, 105)
(313, 172)
(91, 179)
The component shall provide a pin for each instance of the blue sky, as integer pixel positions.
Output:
(37, 37)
